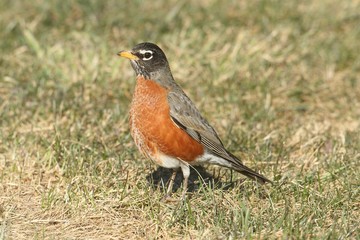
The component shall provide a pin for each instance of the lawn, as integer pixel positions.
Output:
(279, 80)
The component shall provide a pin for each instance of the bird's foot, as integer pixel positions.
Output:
(168, 198)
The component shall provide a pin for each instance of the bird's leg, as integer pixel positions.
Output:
(167, 197)
(185, 188)
(186, 172)
(171, 182)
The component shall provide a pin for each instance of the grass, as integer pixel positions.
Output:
(278, 80)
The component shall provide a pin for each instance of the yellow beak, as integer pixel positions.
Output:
(128, 54)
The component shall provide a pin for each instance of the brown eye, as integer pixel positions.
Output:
(147, 54)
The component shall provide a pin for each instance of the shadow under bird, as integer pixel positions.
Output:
(165, 124)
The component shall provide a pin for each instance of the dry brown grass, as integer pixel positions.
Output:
(279, 81)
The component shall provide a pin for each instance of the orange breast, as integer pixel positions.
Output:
(152, 128)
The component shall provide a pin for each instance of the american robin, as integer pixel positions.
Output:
(165, 124)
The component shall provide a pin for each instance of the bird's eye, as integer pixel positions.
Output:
(147, 55)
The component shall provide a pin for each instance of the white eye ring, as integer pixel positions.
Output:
(144, 52)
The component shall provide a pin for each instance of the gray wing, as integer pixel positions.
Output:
(187, 117)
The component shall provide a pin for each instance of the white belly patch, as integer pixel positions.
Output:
(167, 161)
(208, 158)
(171, 162)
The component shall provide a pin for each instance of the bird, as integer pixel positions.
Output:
(166, 125)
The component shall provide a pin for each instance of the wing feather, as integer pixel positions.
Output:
(187, 117)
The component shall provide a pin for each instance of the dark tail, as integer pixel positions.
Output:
(241, 168)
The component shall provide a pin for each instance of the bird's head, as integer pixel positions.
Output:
(147, 59)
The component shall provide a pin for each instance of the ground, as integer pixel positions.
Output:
(279, 80)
